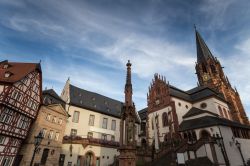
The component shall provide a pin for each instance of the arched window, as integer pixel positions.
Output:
(220, 111)
(225, 113)
(164, 119)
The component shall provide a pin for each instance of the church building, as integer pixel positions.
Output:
(207, 121)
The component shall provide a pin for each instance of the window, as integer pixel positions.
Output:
(73, 132)
(203, 105)
(90, 135)
(105, 123)
(113, 125)
(50, 136)
(6, 115)
(112, 138)
(164, 119)
(23, 123)
(7, 74)
(220, 111)
(2, 139)
(225, 113)
(104, 137)
(54, 119)
(69, 164)
(76, 116)
(91, 120)
(48, 117)
(44, 132)
(60, 121)
(57, 136)
(6, 161)
(5, 66)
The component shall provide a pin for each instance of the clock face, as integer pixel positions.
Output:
(206, 77)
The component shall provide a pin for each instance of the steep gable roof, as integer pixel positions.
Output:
(196, 111)
(208, 121)
(94, 101)
(143, 113)
(18, 70)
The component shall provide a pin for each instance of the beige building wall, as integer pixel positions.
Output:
(106, 154)
(50, 119)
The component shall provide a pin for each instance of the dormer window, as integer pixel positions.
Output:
(5, 66)
(93, 98)
(106, 103)
(7, 74)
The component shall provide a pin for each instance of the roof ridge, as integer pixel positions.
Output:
(96, 93)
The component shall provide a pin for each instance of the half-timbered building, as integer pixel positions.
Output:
(20, 98)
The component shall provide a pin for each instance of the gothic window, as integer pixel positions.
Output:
(91, 120)
(220, 110)
(76, 116)
(213, 69)
(105, 123)
(113, 125)
(164, 119)
(225, 113)
(6, 161)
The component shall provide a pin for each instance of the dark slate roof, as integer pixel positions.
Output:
(196, 111)
(51, 97)
(51, 92)
(195, 94)
(208, 121)
(143, 113)
(203, 52)
(96, 102)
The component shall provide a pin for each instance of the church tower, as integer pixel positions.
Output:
(127, 126)
(210, 73)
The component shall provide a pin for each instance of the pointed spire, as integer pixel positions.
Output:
(203, 52)
(128, 86)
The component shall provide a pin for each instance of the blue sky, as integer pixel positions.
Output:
(91, 41)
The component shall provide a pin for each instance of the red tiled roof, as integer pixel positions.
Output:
(17, 70)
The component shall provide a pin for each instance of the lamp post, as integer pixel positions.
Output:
(219, 142)
(239, 147)
(38, 140)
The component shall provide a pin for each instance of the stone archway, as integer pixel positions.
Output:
(89, 159)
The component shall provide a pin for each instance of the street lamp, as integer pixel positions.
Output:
(219, 142)
(37, 142)
(239, 147)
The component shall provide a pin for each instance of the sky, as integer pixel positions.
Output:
(91, 41)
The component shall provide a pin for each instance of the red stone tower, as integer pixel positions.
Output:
(210, 73)
(127, 126)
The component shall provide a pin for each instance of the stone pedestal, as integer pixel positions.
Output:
(127, 156)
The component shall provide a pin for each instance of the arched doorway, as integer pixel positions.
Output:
(89, 159)
(204, 134)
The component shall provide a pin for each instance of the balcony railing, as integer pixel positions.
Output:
(90, 141)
